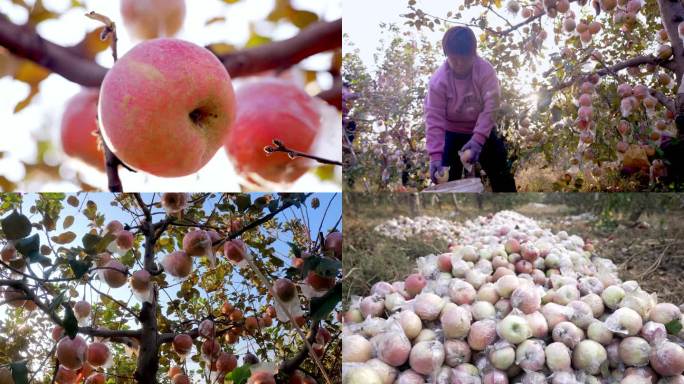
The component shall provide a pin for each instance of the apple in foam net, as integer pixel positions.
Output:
(79, 132)
(529, 355)
(147, 19)
(153, 121)
(588, 356)
(514, 329)
(267, 110)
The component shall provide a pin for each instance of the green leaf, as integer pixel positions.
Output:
(56, 302)
(79, 268)
(322, 306)
(30, 248)
(302, 19)
(95, 244)
(70, 323)
(273, 206)
(68, 221)
(296, 251)
(19, 372)
(674, 327)
(240, 375)
(243, 202)
(16, 226)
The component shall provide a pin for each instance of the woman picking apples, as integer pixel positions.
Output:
(460, 107)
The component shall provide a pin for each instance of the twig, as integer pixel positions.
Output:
(280, 147)
(112, 162)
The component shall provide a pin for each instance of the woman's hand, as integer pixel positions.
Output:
(475, 149)
(438, 173)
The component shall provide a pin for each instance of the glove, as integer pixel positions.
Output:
(437, 171)
(475, 149)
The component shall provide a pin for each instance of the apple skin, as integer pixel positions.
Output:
(558, 357)
(79, 132)
(166, 107)
(272, 109)
(667, 359)
(148, 19)
(588, 356)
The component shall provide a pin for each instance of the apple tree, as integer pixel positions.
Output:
(601, 80)
(174, 287)
(161, 96)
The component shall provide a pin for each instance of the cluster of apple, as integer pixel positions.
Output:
(77, 358)
(197, 122)
(429, 227)
(512, 302)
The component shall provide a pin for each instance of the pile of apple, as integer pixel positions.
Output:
(512, 302)
(404, 228)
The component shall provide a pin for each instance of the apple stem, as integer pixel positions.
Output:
(280, 147)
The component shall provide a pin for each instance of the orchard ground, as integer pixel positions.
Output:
(641, 233)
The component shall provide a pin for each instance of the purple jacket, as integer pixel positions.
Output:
(460, 105)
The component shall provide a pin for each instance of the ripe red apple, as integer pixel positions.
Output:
(97, 354)
(195, 243)
(285, 289)
(182, 344)
(177, 264)
(226, 362)
(333, 242)
(79, 131)
(414, 284)
(318, 282)
(140, 280)
(82, 309)
(261, 377)
(114, 274)
(153, 126)
(235, 250)
(206, 328)
(267, 110)
(72, 352)
(147, 19)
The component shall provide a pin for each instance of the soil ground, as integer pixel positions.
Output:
(648, 250)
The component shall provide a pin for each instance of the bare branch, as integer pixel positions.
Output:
(67, 62)
(278, 146)
(317, 38)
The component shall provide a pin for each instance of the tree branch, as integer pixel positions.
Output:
(67, 62)
(317, 38)
(26, 43)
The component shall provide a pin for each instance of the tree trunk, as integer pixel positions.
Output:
(148, 355)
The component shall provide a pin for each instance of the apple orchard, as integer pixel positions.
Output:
(590, 93)
(166, 96)
(176, 288)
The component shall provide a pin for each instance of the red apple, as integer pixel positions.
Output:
(147, 19)
(267, 110)
(151, 117)
(79, 131)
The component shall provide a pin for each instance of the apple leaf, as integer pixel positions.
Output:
(56, 302)
(19, 372)
(70, 323)
(674, 327)
(79, 268)
(16, 226)
(64, 238)
(68, 221)
(30, 248)
(240, 375)
(243, 202)
(73, 201)
(322, 306)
